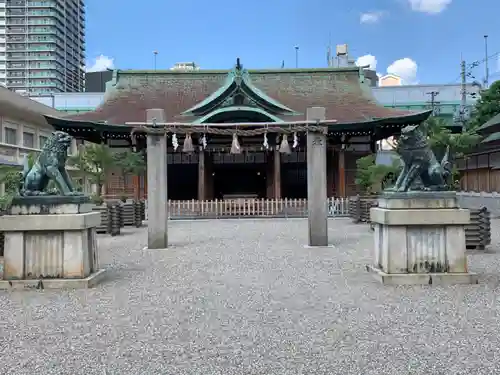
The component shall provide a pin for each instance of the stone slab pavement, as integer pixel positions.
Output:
(246, 297)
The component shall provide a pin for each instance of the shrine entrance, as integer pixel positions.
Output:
(238, 180)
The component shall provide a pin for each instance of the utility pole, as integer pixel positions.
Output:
(433, 95)
(463, 92)
(296, 56)
(486, 67)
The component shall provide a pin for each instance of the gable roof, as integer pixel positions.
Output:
(341, 91)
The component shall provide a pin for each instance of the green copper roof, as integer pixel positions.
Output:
(238, 110)
(238, 82)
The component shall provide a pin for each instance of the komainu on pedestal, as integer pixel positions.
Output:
(50, 234)
(419, 235)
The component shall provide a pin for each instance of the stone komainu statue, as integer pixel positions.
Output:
(50, 165)
(421, 169)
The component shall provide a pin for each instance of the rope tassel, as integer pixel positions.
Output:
(175, 142)
(284, 146)
(204, 141)
(235, 146)
(266, 143)
(188, 144)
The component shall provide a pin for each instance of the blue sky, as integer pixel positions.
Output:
(429, 35)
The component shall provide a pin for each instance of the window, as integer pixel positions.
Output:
(42, 140)
(28, 140)
(11, 136)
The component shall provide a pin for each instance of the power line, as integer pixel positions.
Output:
(473, 65)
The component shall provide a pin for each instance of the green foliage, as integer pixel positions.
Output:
(11, 177)
(440, 137)
(486, 107)
(129, 163)
(97, 199)
(93, 161)
(372, 177)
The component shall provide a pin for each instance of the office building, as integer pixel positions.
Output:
(42, 47)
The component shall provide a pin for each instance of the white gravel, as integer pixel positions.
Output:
(246, 297)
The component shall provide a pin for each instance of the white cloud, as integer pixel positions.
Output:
(405, 68)
(370, 17)
(429, 6)
(367, 60)
(100, 63)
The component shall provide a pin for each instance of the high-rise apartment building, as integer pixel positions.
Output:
(42, 45)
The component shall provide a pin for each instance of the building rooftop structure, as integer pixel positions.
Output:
(286, 93)
(412, 97)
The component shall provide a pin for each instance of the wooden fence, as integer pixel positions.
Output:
(245, 207)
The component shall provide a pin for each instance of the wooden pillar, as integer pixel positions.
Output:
(157, 184)
(202, 176)
(277, 174)
(341, 173)
(316, 182)
(136, 186)
(209, 177)
(269, 175)
(330, 172)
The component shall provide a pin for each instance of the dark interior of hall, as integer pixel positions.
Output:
(239, 179)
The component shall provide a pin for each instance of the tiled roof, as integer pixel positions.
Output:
(338, 90)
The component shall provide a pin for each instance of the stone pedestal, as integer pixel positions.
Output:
(420, 239)
(50, 242)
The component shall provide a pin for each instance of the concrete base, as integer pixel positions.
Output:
(56, 246)
(88, 282)
(420, 238)
(423, 278)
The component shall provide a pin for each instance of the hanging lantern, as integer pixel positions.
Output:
(295, 140)
(175, 142)
(265, 143)
(235, 146)
(188, 144)
(284, 146)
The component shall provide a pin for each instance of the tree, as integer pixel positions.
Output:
(486, 107)
(11, 177)
(373, 177)
(440, 137)
(130, 163)
(93, 161)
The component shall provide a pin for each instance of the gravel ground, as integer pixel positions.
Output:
(246, 297)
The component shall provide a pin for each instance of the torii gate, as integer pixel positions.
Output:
(156, 128)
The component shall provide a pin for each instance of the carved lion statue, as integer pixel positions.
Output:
(422, 171)
(49, 166)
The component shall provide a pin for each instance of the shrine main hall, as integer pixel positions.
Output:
(215, 161)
